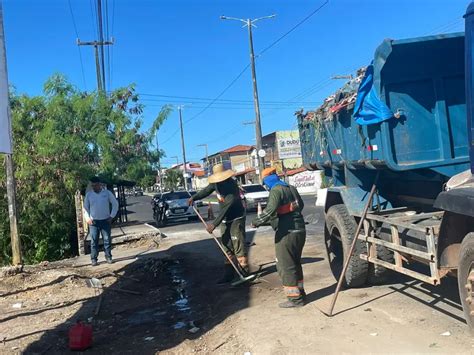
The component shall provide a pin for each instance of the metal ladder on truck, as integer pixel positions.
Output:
(400, 221)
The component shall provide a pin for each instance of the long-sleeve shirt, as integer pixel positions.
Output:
(97, 206)
(230, 204)
(280, 196)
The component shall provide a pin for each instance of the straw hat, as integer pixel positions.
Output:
(268, 171)
(219, 174)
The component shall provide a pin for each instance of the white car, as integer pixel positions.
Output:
(255, 194)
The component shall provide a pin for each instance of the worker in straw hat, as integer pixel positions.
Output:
(231, 215)
(283, 211)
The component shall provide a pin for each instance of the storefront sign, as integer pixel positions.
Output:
(288, 144)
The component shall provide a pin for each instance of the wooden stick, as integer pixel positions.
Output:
(351, 250)
(99, 303)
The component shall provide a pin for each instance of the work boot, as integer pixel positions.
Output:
(94, 263)
(229, 275)
(292, 303)
(109, 260)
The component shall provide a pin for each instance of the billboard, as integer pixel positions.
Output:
(5, 125)
(288, 143)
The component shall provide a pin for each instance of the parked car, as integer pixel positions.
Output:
(137, 191)
(172, 205)
(255, 194)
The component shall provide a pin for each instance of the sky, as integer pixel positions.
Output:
(180, 52)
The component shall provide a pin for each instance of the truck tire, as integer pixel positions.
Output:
(378, 274)
(339, 232)
(466, 286)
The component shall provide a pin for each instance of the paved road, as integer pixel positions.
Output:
(140, 210)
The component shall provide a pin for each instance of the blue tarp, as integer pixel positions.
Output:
(369, 109)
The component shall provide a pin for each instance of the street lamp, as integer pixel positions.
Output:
(249, 23)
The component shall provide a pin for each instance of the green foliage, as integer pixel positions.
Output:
(325, 181)
(173, 179)
(60, 139)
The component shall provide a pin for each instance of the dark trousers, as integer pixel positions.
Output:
(233, 237)
(288, 250)
(100, 227)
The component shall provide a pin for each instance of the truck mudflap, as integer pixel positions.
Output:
(459, 200)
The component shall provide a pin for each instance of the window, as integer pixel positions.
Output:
(253, 188)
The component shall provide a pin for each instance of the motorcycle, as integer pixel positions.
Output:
(159, 212)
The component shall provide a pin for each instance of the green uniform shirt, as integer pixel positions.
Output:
(231, 208)
(279, 196)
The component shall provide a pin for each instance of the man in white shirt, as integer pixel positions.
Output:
(100, 207)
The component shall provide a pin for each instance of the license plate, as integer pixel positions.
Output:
(179, 210)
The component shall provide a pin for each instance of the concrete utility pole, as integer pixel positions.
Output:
(159, 163)
(11, 184)
(99, 72)
(99, 57)
(185, 172)
(258, 126)
(207, 156)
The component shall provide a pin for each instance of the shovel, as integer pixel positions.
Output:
(242, 279)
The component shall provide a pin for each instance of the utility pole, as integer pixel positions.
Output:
(11, 184)
(258, 126)
(207, 156)
(101, 39)
(99, 57)
(185, 172)
(159, 163)
(99, 72)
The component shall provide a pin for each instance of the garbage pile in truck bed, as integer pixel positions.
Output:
(343, 99)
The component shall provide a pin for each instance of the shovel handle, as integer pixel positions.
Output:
(219, 244)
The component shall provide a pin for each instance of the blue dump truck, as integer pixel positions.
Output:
(405, 124)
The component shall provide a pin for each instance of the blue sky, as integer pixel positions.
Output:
(182, 48)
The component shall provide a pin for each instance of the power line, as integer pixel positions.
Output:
(79, 48)
(247, 66)
(107, 49)
(205, 99)
(112, 49)
(220, 95)
(293, 28)
(94, 17)
(211, 103)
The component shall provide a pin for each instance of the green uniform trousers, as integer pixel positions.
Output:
(288, 250)
(233, 237)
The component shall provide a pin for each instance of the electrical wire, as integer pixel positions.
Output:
(78, 47)
(220, 95)
(194, 99)
(107, 48)
(293, 28)
(248, 65)
(94, 18)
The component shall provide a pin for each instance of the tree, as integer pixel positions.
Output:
(61, 139)
(173, 179)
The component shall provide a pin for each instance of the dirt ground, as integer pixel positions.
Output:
(175, 307)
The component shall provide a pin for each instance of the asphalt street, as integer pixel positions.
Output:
(140, 210)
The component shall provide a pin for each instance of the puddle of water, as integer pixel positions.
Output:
(147, 316)
(179, 325)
